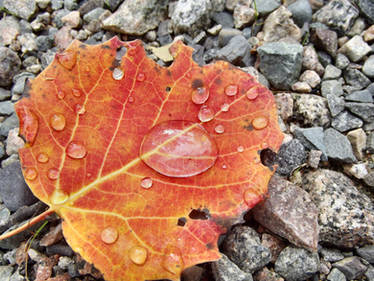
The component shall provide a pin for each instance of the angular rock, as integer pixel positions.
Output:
(9, 123)
(326, 40)
(224, 18)
(341, 61)
(369, 179)
(289, 212)
(311, 77)
(359, 170)
(14, 142)
(358, 141)
(368, 67)
(314, 158)
(355, 49)
(242, 246)
(367, 8)
(280, 63)
(346, 121)
(63, 38)
(301, 12)
(265, 7)
(243, 15)
(225, 270)
(324, 58)
(363, 110)
(336, 275)
(360, 96)
(6, 272)
(311, 61)
(284, 103)
(331, 87)
(290, 156)
(356, 78)
(301, 87)
(331, 255)
(296, 264)
(266, 275)
(279, 25)
(337, 14)
(351, 267)
(370, 143)
(332, 72)
(137, 17)
(9, 66)
(21, 8)
(9, 29)
(311, 109)
(237, 51)
(4, 94)
(274, 243)
(6, 108)
(338, 147)
(346, 215)
(367, 253)
(335, 103)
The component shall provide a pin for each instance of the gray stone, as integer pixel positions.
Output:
(331, 255)
(346, 121)
(311, 61)
(337, 14)
(301, 12)
(21, 8)
(9, 29)
(355, 49)
(341, 61)
(28, 42)
(324, 58)
(89, 5)
(331, 87)
(44, 43)
(224, 18)
(112, 5)
(13, 189)
(237, 51)
(336, 104)
(369, 179)
(367, 8)
(370, 143)
(191, 16)
(281, 63)
(94, 14)
(136, 16)
(314, 158)
(311, 109)
(338, 146)
(336, 275)
(57, 4)
(2, 151)
(265, 7)
(9, 66)
(357, 139)
(332, 72)
(4, 215)
(225, 270)
(369, 274)
(351, 267)
(326, 40)
(70, 5)
(226, 34)
(289, 212)
(346, 215)
(243, 246)
(20, 81)
(290, 156)
(368, 67)
(296, 264)
(356, 78)
(9, 123)
(367, 253)
(363, 110)
(4, 94)
(6, 272)
(6, 108)
(360, 96)
(358, 27)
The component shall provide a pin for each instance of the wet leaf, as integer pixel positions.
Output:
(146, 165)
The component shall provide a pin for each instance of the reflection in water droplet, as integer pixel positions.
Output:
(219, 129)
(67, 59)
(140, 77)
(251, 198)
(146, 182)
(224, 166)
(131, 99)
(30, 173)
(42, 158)
(59, 197)
(231, 90)
(200, 95)
(29, 124)
(109, 235)
(117, 74)
(76, 150)
(252, 93)
(138, 255)
(79, 109)
(57, 122)
(205, 114)
(173, 263)
(53, 174)
(259, 122)
(225, 107)
(76, 93)
(240, 148)
(60, 95)
(178, 149)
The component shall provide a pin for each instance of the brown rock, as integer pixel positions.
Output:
(369, 34)
(9, 29)
(266, 275)
(64, 277)
(326, 39)
(289, 212)
(52, 237)
(311, 61)
(275, 244)
(357, 139)
(284, 103)
(63, 38)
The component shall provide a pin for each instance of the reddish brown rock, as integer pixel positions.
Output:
(326, 40)
(275, 245)
(266, 275)
(52, 237)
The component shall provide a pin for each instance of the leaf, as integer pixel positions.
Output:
(146, 165)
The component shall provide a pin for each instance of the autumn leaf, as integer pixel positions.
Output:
(146, 165)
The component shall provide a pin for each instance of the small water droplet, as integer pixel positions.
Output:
(76, 93)
(79, 109)
(205, 114)
(29, 124)
(251, 198)
(42, 158)
(67, 59)
(256, 160)
(224, 166)
(53, 174)
(30, 173)
(240, 148)
(146, 182)
(200, 95)
(76, 150)
(57, 122)
(264, 145)
(59, 197)
(131, 99)
(225, 107)
(109, 235)
(231, 90)
(60, 95)
(219, 129)
(252, 93)
(173, 263)
(117, 74)
(259, 122)
(140, 77)
(138, 255)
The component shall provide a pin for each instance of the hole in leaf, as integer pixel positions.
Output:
(197, 214)
(181, 221)
(268, 157)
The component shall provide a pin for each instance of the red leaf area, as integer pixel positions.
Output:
(146, 165)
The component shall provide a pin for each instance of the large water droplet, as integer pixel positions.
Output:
(146, 182)
(76, 150)
(205, 114)
(231, 90)
(173, 263)
(117, 74)
(225, 107)
(30, 173)
(53, 174)
(29, 124)
(178, 149)
(109, 235)
(200, 95)
(138, 255)
(219, 129)
(251, 198)
(76, 93)
(252, 93)
(59, 197)
(140, 77)
(67, 59)
(42, 158)
(259, 122)
(57, 122)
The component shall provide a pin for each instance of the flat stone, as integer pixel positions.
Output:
(225, 270)
(359, 170)
(326, 40)
(337, 14)
(289, 212)
(21, 8)
(242, 246)
(296, 264)
(301, 87)
(368, 67)
(331, 87)
(338, 146)
(360, 96)
(137, 17)
(311, 77)
(290, 156)
(351, 267)
(226, 34)
(336, 275)
(332, 72)
(367, 8)
(4, 94)
(6, 108)
(236, 51)
(331, 255)
(311, 109)
(341, 61)
(301, 12)
(355, 49)
(367, 253)
(357, 139)
(9, 123)
(363, 110)
(265, 7)
(346, 215)
(224, 18)
(345, 121)
(9, 66)
(336, 104)
(280, 63)
(356, 78)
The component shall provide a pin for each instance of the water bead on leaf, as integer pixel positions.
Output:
(30, 173)
(140, 77)
(42, 158)
(59, 197)
(138, 255)
(252, 93)
(76, 93)
(117, 74)
(200, 95)
(205, 114)
(109, 235)
(60, 95)
(58, 122)
(260, 122)
(76, 150)
(53, 174)
(146, 182)
(67, 59)
(173, 263)
(219, 129)
(231, 90)
(225, 107)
